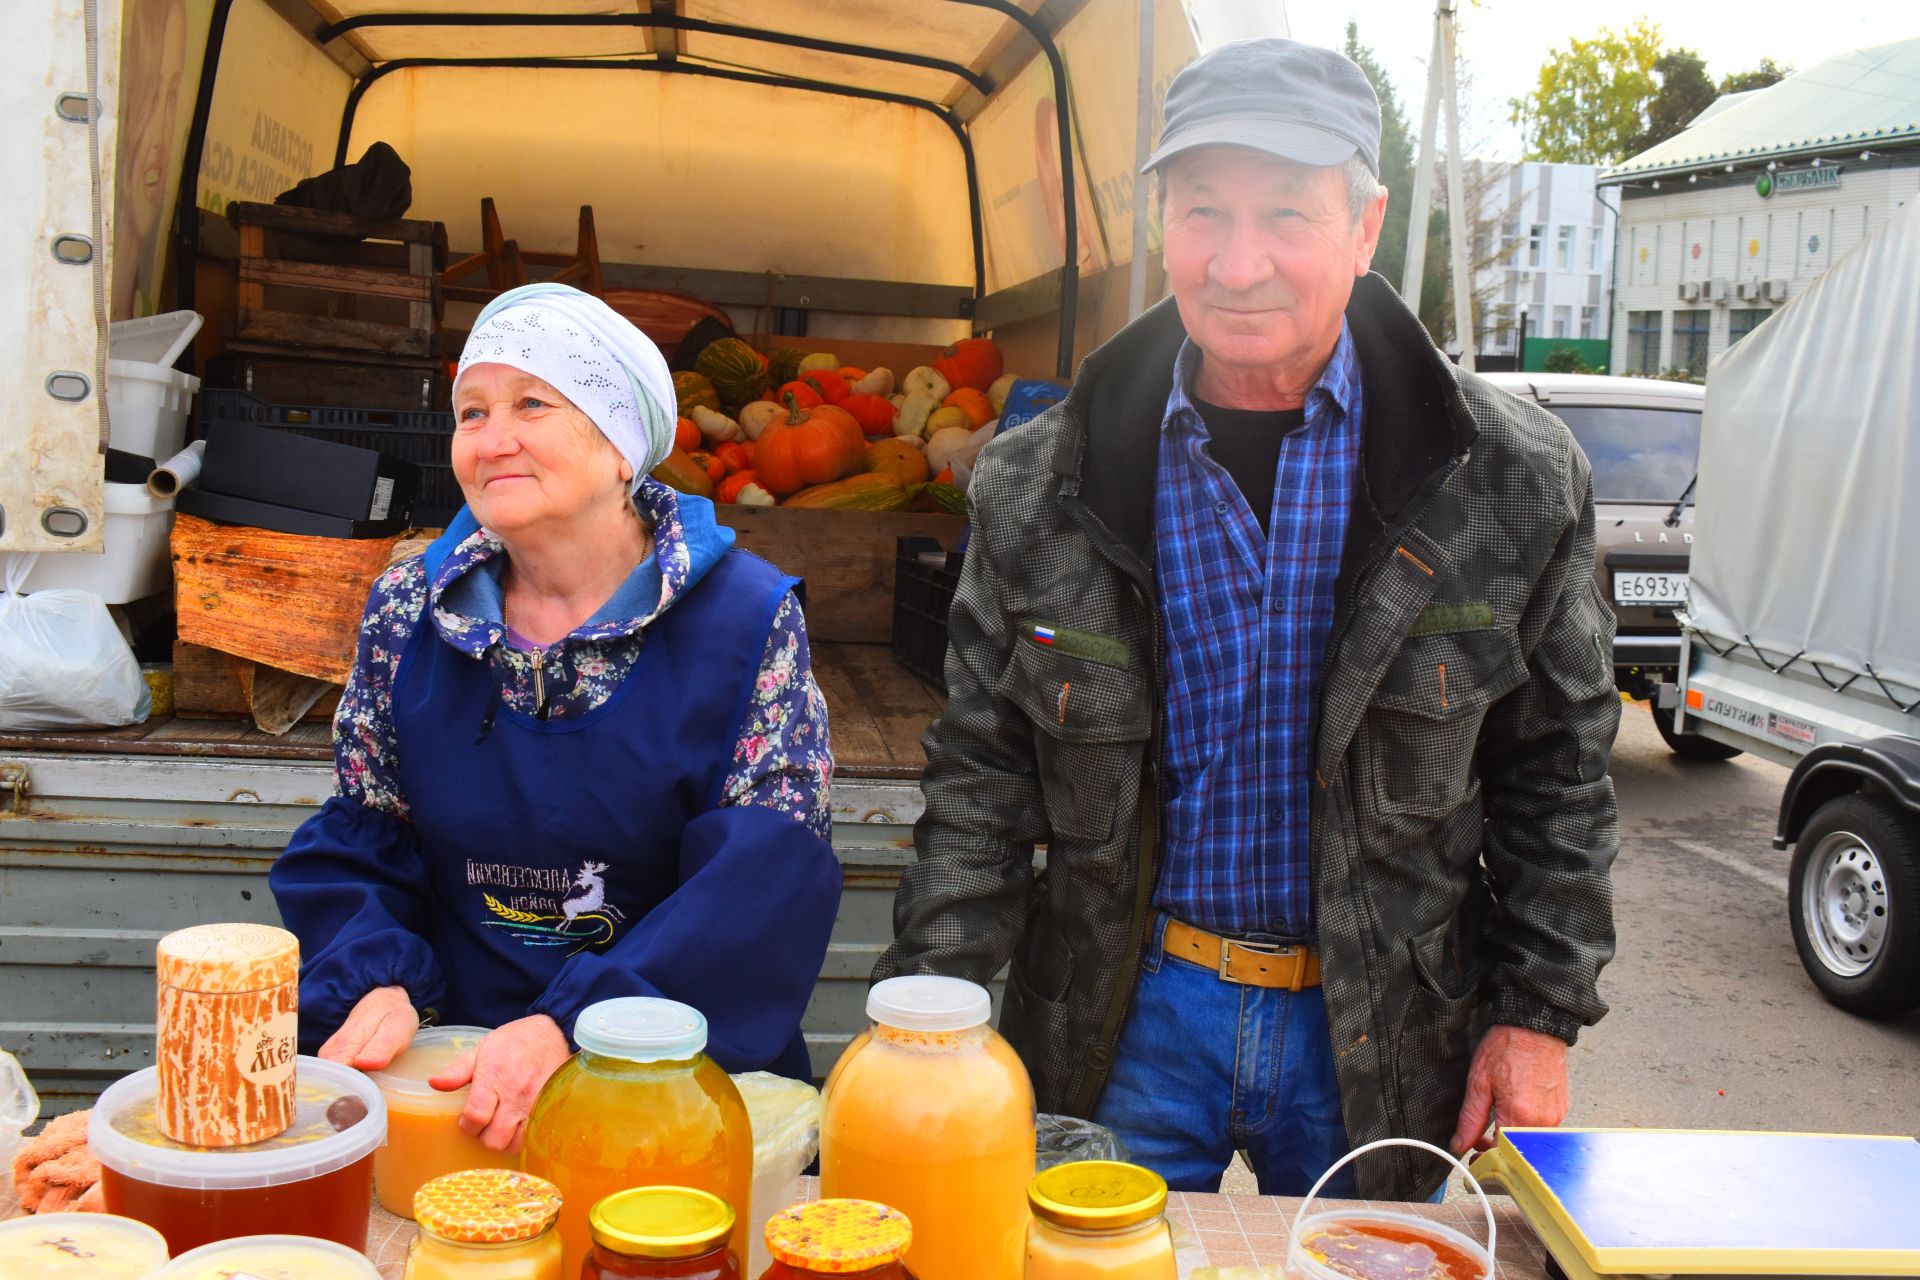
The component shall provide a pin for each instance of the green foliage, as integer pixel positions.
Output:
(1590, 101)
(1685, 91)
(1671, 374)
(1768, 72)
(1565, 359)
(1397, 145)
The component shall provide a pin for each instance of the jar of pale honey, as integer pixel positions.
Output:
(641, 1105)
(662, 1233)
(424, 1139)
(486, 1224)
(845, 1239)
(931, 1111)
(1099, 1220)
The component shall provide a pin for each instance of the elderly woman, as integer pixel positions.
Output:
(581, 754)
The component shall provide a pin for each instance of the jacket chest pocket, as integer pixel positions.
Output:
(1089, 720)
(1425, 718)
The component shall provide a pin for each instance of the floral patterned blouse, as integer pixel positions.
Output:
(781, 758)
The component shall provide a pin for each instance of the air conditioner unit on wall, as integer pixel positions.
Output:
(1689, 291)
(1751, 291)
(1720, 291)
(1776, 291)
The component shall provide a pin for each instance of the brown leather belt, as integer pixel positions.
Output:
(1250, 964)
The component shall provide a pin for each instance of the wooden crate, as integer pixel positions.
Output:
(845, 557)
(308, 279)
(211, 685)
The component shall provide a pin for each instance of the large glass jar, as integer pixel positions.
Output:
(486, 1224)
(844, 1239)
(424, 1139)
(640, 1105)
(930, 1111)
(1099, 1220)
(662, 1233)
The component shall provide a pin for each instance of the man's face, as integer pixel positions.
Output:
(1261, 254)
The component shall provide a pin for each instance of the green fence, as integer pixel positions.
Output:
(1593, 352)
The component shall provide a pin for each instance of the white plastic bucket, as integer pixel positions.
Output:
(1302, 1266)
(134, 564)
(147, 399)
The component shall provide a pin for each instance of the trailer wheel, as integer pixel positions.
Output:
(1690, 746)
(1853, 899)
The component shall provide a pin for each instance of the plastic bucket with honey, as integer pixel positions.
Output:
(317, 1173)
(79, 1246)
(270, 1258)
(424, 1140)
(1375, 1244)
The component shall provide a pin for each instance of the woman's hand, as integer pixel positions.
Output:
(380, 1027)
(507, 1071)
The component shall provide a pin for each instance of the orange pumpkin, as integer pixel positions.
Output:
(686, 434)
(716, 469)
(945, 476)
(732, 455)
(972, 402)
(731, 487)
(814, 445)
(875, 414)
(807, 396)
(970, 362)
(832, 387)
(899, 459)
(852, 373)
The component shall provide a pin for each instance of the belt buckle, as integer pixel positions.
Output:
(1227, 946)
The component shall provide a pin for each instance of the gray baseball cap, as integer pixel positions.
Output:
(1296, 101)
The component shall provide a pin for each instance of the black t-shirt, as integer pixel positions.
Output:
(1246, 442)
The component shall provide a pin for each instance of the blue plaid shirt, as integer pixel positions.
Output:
(1247, 619)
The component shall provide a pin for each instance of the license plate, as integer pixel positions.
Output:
(1649, 588)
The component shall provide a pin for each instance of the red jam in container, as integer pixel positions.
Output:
(316, 1175)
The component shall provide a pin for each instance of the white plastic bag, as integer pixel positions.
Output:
(969, 453)
(786, 1137)
(63, 662)
(19, 1108)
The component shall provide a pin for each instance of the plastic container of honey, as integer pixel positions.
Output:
(1378, 1244)
(1099, 1220)
(423, 1123)
(641, 1105)
(930, 1111)
(662, 1233)
(79, 1246)
(486, 1224)
(270, 1258)
(846, 1239)
(317, 1173)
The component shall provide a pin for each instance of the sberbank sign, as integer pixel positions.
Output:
(1797, 180)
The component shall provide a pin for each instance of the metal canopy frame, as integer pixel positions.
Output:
(677, 63)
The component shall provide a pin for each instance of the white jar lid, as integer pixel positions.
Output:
(642, 1029)
(926, 1002)
(270, 1258)
(80, 1246)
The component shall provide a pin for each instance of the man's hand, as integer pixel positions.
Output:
(507, 1071)
(380, 1027)
(1518, 1077)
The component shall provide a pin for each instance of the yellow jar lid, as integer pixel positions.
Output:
(486, 1206)
(838, 1236)
(661, 1222)
(1097, 1195)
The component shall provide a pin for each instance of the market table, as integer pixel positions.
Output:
(1216, 1230)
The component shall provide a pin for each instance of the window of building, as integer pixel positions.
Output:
(1742, 321)
(1589, 322)
(1690, 340)
(1596, 248)
(1643, 342)
(1563, 322)
(1536, 245)
(1563, 250)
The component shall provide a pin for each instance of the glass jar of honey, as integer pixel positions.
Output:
(931, 1111)
(1099, 1220)
(662, 1233)
(486, 1224)
(641, 1105)
(424, 1139)
(846, 1239)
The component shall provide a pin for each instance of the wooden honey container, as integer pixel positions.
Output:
(228, 1033)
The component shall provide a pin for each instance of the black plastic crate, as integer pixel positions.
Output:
(922, 596)
(412, 435)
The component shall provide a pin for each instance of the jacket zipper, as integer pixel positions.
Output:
(539, 685)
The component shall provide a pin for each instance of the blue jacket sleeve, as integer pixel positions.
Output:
(352, 887)
(742, 939)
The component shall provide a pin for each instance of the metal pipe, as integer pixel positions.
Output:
(1459, 217)
(186, 228)
(1417, 212)
(1142, 149)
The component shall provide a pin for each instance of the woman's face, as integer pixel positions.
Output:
(525, 456)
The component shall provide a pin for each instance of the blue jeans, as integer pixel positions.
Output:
(1205, 1068)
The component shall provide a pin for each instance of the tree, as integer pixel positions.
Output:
(1685, 91)
(1768, 72)
(1590, 102)
(1397, 145)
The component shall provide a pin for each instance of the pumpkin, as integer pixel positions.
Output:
(974, 403)
(832, 387)
(686, 434)
(744, 488)
(716, 469)
(694, 389)
(678, 471)
(715, 425)
(899, 459)
(878, 382)
(925, 381)
(734, 369)
(1002, 388)
(947, 418)
(783, 364)
(819, 360)
(852, 373)
(941, 495)
(756, 417)
(970, 362)
(804, 392)
(875, 414)
(812, 445)
(869, 492)
(945, 476)
(942, 445)
(733, 456)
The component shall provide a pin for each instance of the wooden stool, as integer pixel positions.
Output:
(505, 262)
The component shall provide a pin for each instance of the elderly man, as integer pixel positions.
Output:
(1280, 633)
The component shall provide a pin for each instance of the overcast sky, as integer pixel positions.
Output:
(1503, 42)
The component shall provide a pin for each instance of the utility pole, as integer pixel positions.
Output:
(1442, 83)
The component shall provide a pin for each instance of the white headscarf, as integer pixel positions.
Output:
(589, 353)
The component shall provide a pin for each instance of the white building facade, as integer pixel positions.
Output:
(1745, 208)
(1552, 259)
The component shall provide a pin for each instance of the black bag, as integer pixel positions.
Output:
(379, 185)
